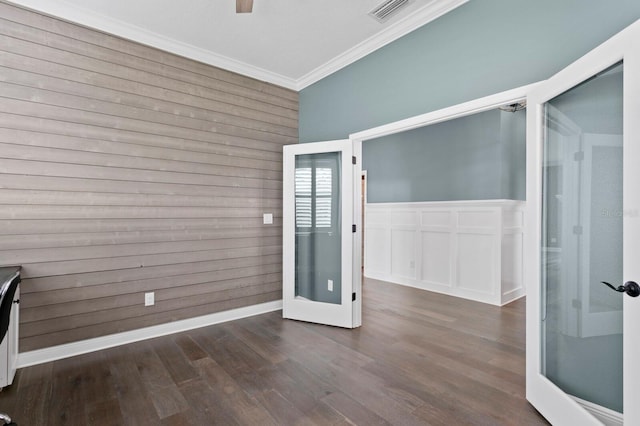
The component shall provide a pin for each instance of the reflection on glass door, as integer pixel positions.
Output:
(318, 228)
(582, 228)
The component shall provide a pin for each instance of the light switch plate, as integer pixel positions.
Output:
(267, 218)
(149, 299)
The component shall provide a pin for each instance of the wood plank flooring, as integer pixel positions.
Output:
(419, 359)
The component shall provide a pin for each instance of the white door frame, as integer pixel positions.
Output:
(558, 407)
(456, 111)
(347, 313)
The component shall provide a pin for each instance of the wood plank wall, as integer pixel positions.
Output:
(125, 169)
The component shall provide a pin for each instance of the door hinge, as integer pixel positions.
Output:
(353, 228)
(578, 156)
(353, 160)
(353, 297)
(577, 230)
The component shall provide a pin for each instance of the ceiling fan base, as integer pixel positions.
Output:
(244, 6)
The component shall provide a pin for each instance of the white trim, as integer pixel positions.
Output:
(88, 18)
(85, 17)
(364, 173)
(428, 13)
(358, 213)
(460, 110)
(453, 203)
(606, 416)
(39, 356)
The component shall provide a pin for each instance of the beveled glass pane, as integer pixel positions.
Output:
(318, 251)
(582, 240)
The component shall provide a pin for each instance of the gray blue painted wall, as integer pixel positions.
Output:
(469, 158)
(482, 47)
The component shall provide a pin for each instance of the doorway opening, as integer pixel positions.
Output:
(400, 226)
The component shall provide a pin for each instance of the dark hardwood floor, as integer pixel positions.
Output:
(419, 359)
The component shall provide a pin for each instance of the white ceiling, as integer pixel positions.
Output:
(292, 43)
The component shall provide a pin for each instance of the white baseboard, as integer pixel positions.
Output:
(435, 288)
(39, 356)
(512, 295)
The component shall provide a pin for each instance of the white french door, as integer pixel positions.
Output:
(321, 276)
(583, 221)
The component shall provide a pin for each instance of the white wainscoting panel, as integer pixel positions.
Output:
(376, 260)
(469, 249)
(476, 264)
(436, 258)
(511, 263)
(403, 253)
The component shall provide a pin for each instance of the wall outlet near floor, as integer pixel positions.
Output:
(330, 285)
(149, 299)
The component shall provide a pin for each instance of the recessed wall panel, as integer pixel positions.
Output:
(376, 250)
(476, 262)
(376, 218)
(404, 218)
(511, 262)
(403, 253)
(437, 218)
(436, 257)
(513, 219)
(477, 219)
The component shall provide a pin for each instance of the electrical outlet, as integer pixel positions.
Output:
(267, 219)
(149, 299)
(330, 285)
(412, 264)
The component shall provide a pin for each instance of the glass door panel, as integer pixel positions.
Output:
(318, 253)
(582, 239)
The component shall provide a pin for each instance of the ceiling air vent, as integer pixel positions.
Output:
(387, 8)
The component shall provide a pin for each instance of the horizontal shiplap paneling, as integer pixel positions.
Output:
(125, 169)
(67, 50)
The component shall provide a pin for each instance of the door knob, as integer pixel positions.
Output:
(630, 287)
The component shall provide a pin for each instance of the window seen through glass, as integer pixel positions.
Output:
(313, 189)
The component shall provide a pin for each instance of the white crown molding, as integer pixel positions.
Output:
(64, 10)
(87, 18)
(40, 356)
(423, 16)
